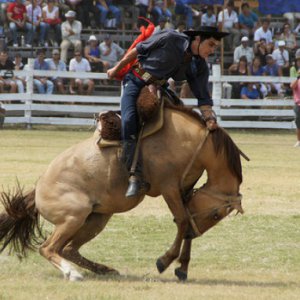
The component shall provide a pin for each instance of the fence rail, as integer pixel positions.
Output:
(31, 108)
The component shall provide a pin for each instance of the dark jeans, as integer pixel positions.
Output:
(132, 86)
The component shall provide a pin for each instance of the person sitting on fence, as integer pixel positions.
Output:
(92, 54)
(52, 21)
(209, 18)
(34, 17)
(70, 31)
(105, 8)
(7, 79)
(295, 86)
(272, 69)
(16, 15)
(56, 64)
(110, 52)
(80, 64)
(282, 58)
(43, 84)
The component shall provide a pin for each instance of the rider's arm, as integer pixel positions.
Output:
(128, 57)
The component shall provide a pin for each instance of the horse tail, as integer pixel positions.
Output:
(19, 223)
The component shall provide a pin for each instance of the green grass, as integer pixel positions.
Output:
(253, 256)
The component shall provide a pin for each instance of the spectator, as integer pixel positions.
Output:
(56, 64)
(256, 69)
(7, 81)
(18, 66)
(248, 20)
(240, 69)
(80, 64)
(159, 10)
(163, 24)
(281, 57)
(74, 4)
(228, 22)
(209, 18)
(110, 52)
(34, 17)
(70, 31)
(16, 15)
(105, 7)
(261, 50)
(292, 17)
(296, 67)
(181, 8)
(297, 27)
(289, 38)
(42, 83)
(92, 54)
(249, 91)
(272, 69)
(3, 18)
(264, 32)
(295, 86)
(63, 7)
(243, 50)
(52, 21)
(83, 11)
(144, 9)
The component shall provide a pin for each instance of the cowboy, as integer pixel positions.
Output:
(166, 54)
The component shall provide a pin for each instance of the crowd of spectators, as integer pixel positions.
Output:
(256, 46)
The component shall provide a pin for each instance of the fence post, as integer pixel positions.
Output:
(217, 89)
(29, 91)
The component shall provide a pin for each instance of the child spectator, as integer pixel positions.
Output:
(70, 31)
(52, 21)
(56, 64)
(16, 15)
(80, 64)
(42, 83)
(208, 18)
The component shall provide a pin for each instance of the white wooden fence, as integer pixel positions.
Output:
(31, 108)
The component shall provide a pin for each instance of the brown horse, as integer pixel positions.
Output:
(85, 185)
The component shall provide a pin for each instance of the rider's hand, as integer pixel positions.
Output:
(111, 73)
(209, 117)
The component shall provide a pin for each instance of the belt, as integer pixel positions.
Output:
(147, 77)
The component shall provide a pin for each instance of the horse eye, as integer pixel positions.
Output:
(216, 216)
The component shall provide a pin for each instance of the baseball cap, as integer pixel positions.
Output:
(55, 51)
(281, 43)
(92, 38)
(70, 14)
(244, 39)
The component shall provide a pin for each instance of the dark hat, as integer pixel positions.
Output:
(209, 31)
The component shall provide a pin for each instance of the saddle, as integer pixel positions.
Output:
(150, 111)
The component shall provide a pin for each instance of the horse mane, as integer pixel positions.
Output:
(222, 142)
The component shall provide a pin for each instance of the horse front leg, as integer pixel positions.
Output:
(184, 259)
(175, 204)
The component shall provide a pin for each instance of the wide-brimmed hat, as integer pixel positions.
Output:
(210, 31)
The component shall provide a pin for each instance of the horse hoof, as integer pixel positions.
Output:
(113, 272)
(160, 266)
(182, 276)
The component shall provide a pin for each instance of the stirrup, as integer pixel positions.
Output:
(136, 187)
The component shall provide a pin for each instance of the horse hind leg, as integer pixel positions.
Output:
(61, 235)
(94, 224)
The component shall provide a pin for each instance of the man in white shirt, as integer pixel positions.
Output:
(264, 32)
(281, 57)
(80, 64)
(228, 21)
(243, 50)
(209, 19)
(70, 31)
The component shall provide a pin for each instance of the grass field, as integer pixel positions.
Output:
(254, 256)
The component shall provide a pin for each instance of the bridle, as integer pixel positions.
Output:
(230, 202)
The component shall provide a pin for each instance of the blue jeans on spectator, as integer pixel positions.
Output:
(57, 31)
(158, 14)
(29, 32)
(111, 8)
(44, 88)
(181, 9)
(42, 32)
(132, 86)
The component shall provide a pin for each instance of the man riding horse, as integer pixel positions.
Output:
(166, 54)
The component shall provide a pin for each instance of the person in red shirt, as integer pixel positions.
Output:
(16, 15)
